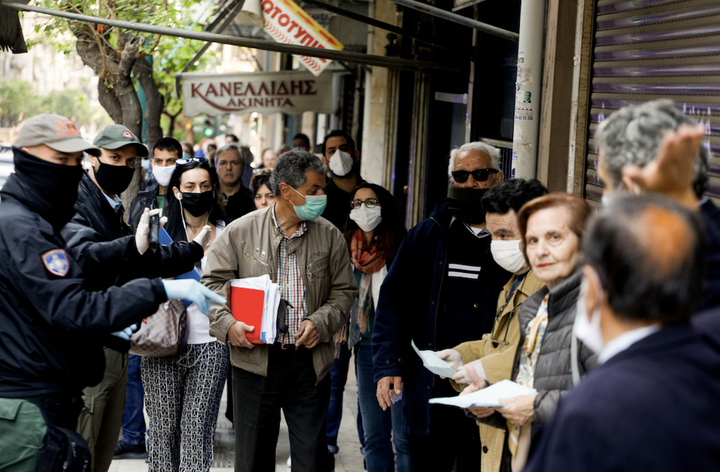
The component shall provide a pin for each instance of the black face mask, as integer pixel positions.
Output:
(465, 204)
(55, 184)
(113, 179)
(198, 203)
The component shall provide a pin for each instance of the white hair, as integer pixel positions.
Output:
(634, 135)
(477, 146)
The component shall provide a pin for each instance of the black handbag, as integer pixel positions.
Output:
(64, 450)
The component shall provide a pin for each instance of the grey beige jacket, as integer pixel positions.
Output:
(248, 248)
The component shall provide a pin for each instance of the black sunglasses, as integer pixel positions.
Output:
(187, 160)
(480, 175)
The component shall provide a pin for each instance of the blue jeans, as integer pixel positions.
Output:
(133, 420)
(338, 378)
(380, 426)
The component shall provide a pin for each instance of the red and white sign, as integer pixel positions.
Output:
(287, 23)
(266, 93)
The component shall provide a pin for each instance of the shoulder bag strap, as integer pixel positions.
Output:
(574, 359)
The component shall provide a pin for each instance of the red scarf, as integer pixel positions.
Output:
(368, 261)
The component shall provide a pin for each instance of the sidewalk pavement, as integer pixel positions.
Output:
(349, 459)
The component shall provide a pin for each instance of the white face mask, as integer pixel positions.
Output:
(341, 163)
(366, 218)
(163, 174)
(587, 331)
(508, 255)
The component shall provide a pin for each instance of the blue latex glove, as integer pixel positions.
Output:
(125, 334)
(192, 290)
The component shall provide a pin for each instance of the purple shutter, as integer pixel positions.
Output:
(649, 49)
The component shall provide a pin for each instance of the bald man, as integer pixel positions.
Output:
(649, 404)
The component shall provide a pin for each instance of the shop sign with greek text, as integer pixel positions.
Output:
(287, 92)
(287, 23)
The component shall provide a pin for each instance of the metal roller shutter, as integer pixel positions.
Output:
(649, 49)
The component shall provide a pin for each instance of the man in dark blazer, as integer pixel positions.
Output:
(650, 404)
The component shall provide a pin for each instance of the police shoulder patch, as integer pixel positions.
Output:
(56, 262)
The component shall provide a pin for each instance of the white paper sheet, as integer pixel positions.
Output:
(489, 396)
(433, 363)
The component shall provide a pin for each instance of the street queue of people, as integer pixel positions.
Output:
(599, 312)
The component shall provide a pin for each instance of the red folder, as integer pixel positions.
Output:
(246, 305)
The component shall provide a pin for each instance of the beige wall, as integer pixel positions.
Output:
(374, 121)
(565, 92)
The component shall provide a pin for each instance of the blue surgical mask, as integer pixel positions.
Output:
(186, 156)
(314, 206)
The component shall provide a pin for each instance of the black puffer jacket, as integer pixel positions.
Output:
(553, 372)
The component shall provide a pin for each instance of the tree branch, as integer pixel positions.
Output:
(129, 55)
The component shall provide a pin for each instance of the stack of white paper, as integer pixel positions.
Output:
(433, 363)
(270, 305)
(489, 396)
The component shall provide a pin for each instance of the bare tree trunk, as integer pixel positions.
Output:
(116, 91)
(153, 98)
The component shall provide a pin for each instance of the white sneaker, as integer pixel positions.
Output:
(289, 462)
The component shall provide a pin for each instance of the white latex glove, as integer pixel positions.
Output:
(143, 228)
(464, 377)
(203, 237)
(192, 290)
(452, 357)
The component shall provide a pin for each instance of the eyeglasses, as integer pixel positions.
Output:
(480, 175)
(370, 203)
(187, 160)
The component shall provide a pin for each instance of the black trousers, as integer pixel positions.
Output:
(453, 438)
(290, 386)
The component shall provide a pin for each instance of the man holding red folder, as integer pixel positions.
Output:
(308, 258)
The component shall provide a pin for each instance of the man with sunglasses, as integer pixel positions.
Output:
(105, 247)
(492, 357)
(441, 291)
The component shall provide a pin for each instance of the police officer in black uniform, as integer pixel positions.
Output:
(51, 325)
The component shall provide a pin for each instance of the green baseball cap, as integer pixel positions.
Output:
(54, 131)
(117, 136)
